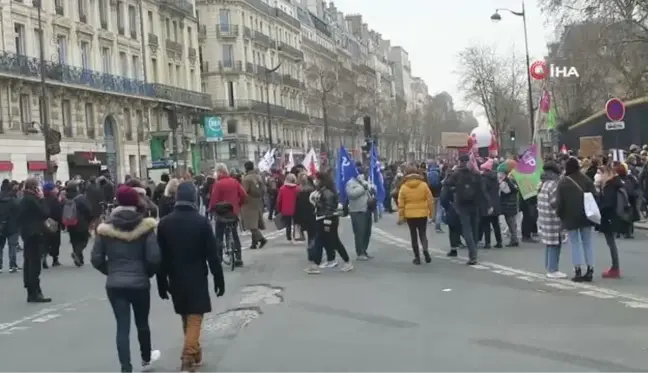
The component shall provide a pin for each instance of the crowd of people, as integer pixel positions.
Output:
(173, 231)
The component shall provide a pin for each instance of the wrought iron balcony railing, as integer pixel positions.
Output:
(291, 51)
(261, 38)
(292, 82)
(184, 6)
(253, 106)
(12, 64)
(225, 30)
(296, 115)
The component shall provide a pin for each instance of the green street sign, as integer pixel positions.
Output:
(213, 127)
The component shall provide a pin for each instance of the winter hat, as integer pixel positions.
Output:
(48, 187)
(127, 196)
(186, 192)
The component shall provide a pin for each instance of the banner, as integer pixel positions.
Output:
(527, 172)
(376, 176)
(344, 172)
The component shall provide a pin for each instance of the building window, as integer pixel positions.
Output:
(224, 20)
(85, 55)
(139, 122)
(19, 30)
(123, 61)
(89, 119)
(62, 49)
(37, 42)
(83, 11)
(66, 111)
(103, 13)
(132, 21)
(106, 60)
(170, 72)
(154, 68)
(120, 18)
(228, 55)
(192, 78)
(129, 125)
(178, 76)
(151, 28)
(175, 31)
(231, 126)
(189, 37)
(136, 67)
(25, 110)
(58, 7)
(168, 28)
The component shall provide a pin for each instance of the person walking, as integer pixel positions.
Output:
(434, 180)
(188, 249)
(167, 201)
(415, 207)
(304, 210)
(362, 203)
(286, 204)
(127, 252)
(616, 212)
(508, 194)
(570, 208)
(9, 227)
(491, 219)
(548, 221)
(53, 238)
(76, 218)
(32, 216)
(252, 209)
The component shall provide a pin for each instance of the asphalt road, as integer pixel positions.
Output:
(386, 315)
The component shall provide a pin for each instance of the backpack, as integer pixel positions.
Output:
(623, 207)
(434, 179)
(70, 214)
(465, 188)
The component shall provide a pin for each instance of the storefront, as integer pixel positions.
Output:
(37, 169)
(6, 168)
(86, 164)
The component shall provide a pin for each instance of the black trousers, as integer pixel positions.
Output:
(53, 244)
(79, 241)
(418, 231)
(32, 254)
(454, 234)
(486, 223)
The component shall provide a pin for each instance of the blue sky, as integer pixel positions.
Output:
(434, 31)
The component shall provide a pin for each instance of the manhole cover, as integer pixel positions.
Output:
(262, 294)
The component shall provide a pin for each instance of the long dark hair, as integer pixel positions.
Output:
(326, 181)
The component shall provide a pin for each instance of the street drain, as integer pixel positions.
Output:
(228, 323)
(262, 294)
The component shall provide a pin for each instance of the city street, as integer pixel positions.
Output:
(386, 315)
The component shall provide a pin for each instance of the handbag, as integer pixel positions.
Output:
(279, 222)
(589, 202)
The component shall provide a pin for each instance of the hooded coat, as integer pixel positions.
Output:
(414, 198)
(126, 249)
(610, 220)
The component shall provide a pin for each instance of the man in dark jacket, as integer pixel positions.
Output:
(9, 208)
(469, 196)
(52, 239)
(94, 195)
(79, 232)
(491, 219)
(31, 223)
(158, 193)
(188, 247)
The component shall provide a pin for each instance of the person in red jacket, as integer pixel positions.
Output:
(225, 201)
(286, 202)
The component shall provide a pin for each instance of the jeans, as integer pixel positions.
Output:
(581, 240)
(469, 229)
(361, 223)
(418, 231)
(552, 258)
(614, 250)
(122, 300)
(438, 214)
(219, 233)
(511, 223)
(191, 350)
(12, 241)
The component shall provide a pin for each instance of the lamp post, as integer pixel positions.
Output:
(496, 17)
(44, 112)
(269, 72)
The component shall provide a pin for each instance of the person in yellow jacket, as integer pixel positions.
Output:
(415, 207)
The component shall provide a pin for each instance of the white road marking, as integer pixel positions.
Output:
(479, 266)
(595, 294)
(504, 273)
(447, 290)
(556, 283)
(525, 278)
(13, 329)
(43, 313)
(46, 318)
(636, 305)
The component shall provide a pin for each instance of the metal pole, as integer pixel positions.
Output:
(528, 67)
(326, 129)
(145, 74)
(43, 96)
(268, 112)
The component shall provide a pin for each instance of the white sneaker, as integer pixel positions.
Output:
(312, 270)
(556, 274)
(347, 267)
(147, 366)
(331, 264)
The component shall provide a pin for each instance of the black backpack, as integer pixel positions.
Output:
(465, 187)
(623, 206)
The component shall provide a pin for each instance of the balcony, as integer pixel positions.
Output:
(227, 31)
(234, 67)
(261, 38)
(283, 16)
(153, 41)
(174, 47)
(291, 114)
(247, 33)
(249, 106)
(12, 65)
(183, 6)
(292, 82)
(291, 51)
(202, 32)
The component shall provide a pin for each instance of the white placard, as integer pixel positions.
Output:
(614, 126)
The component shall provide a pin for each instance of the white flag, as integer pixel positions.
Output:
(267, 161)
(291, 161)
(310, 162)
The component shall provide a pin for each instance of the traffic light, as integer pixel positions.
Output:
(512, 135)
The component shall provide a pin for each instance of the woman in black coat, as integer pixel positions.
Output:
(304, 210)
(613, 193)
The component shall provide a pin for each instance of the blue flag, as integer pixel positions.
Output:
(344, 172)
(376, 175)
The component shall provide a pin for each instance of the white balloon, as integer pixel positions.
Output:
(483, 136)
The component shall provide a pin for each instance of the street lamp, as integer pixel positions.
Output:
(268, 73)
(44, 112)
(496, 17)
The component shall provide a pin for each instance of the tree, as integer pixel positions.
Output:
(357, 96)
(496, 84)
(321, 83)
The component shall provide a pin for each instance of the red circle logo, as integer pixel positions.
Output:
(539, 70)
